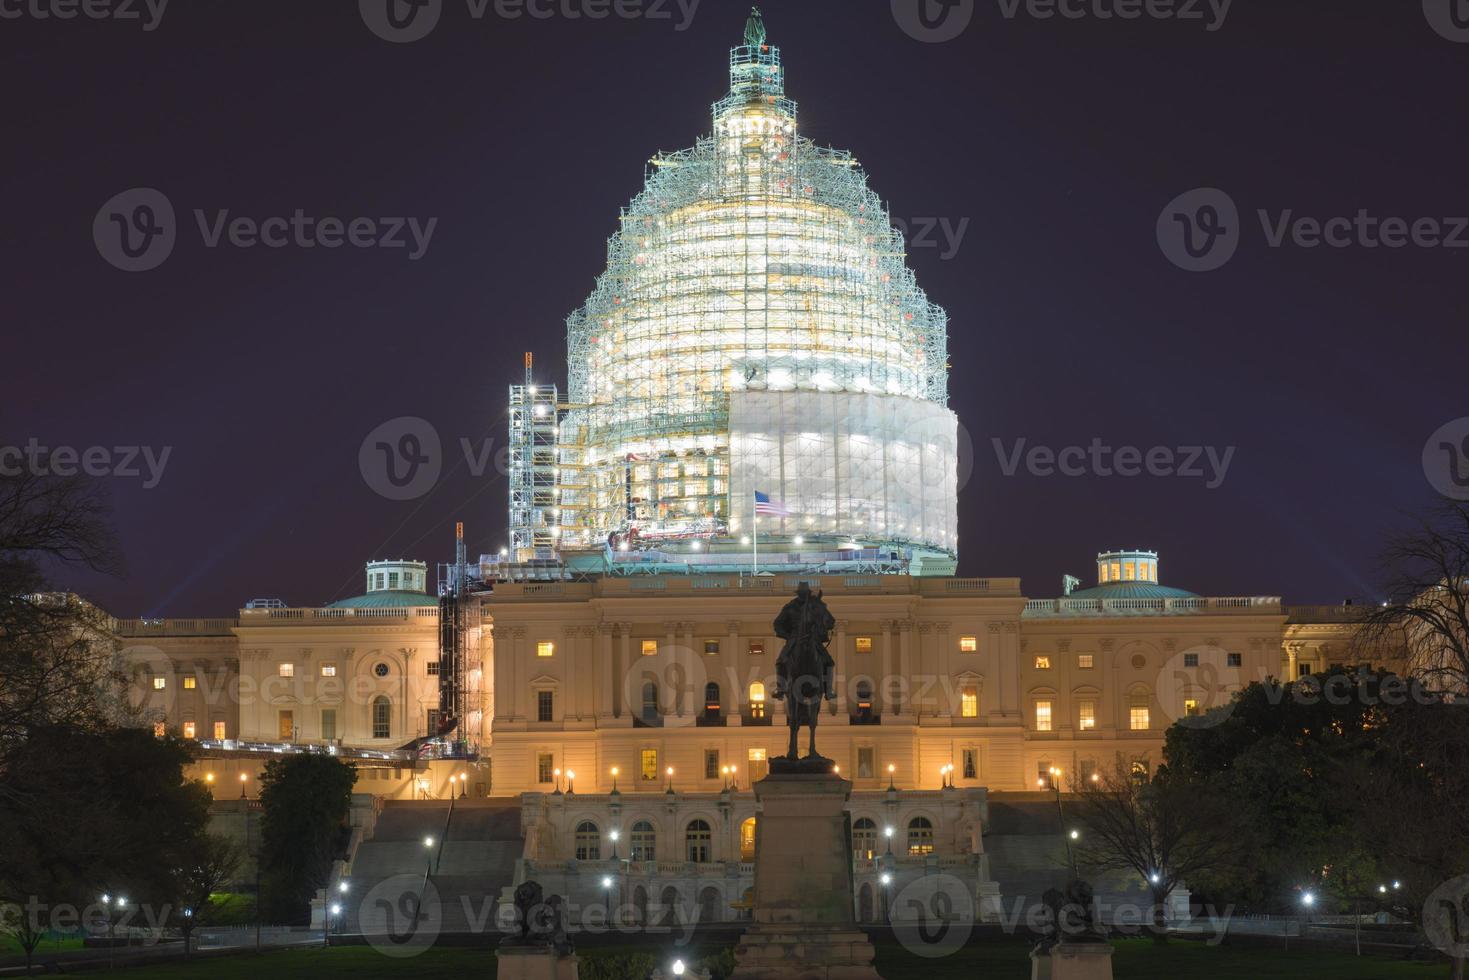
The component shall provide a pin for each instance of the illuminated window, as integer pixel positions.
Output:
(190, 682)
(219, 730)
(588, 842)
(545, 648)
(757, 700)
(160, 729)
(286, 725)
(747, 839)
(1043, 716)
(862, 644)
(328, 670)
(1137, 715)
(1140, 770)
(189, 729)
(920, 836)
(650, 648)
(159, 683)
(1042, 663)
(866, 762)
(969, 701)
(1190, 707)
(1116, 570)
(968, 644)
(1104, 570)
(759, 765)
(864, 838)
(649, 765)
(1088, 715)
(971, 763)
(1085, 661)
(545, 767)
(286, 670)
(711, 647)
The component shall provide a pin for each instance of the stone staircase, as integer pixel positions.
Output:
(476, 846)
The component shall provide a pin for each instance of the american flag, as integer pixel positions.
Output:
(764, 505)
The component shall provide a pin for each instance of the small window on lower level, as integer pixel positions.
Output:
(545, 648)
(1043, 663)
(189, 729)
(757, 647)
(968, 644)
(545, 767)
(1085, 661)
(1235, 659)
(650, 648)
(190, 682)
(711, 647)
(863, 644)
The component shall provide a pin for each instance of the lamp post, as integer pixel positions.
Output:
(886, 880)
(464, 785)
(570, 782)
(614, 779)
(669, 773)
(888, 833)
(891, 769)
(244, 778)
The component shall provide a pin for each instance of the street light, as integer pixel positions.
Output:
(614, 779)
(244, 777)
(669, 773)
(891, 769)
(570, 781)
(342, 887)
(464, 785)
(678, 968)
(888, 833)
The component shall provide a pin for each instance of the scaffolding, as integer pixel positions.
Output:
(754, 262)
(534, 513)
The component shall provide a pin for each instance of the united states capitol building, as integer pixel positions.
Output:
(757, 397)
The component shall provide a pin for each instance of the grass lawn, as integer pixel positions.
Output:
(1134, 960)
(9, 945)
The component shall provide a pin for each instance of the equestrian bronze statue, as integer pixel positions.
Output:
(804, 669)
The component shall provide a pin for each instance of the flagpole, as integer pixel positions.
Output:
(754, 536)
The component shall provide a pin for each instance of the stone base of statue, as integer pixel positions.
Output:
(804, 924)
(1072, 961)
(534, 961)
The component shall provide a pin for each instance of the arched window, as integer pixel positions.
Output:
(644, 841)
(864, 903)
(588, 842)
(669, 900)
(709, 904)
(650, 702)
(747, 840)
(862, 710)
(864, 838)
(640, 904)
(920, 836)
(711, 700)
(697, 838)
(382, 717)
(757, 699)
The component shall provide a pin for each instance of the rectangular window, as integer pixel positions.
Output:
(1138, 716)
(969, 701)
(1190, 708)
(1087, 711)
(159, 683)
(1084, 661)
(545, 765)
(545, 705)
(968, 644)
(329, 724)
(1190, 659)
(711, 763)
(1042, 663)
(190, 682)
(866, 762)
(1303, 669)
(971, 763)
(1043, 716)
(160, 729)
(219, 731)
(432, 667)
(286, 670)
(286, 725)
(649, 765)
(862, 644)
(1087, 770)
(711, 648)
(757, 647)
(1235, 659)
(328, 670)
(545, 648)
(1044, 777)
(189, 729)
(392, 580)
(759, 765)
(650, 648)
(432, 725)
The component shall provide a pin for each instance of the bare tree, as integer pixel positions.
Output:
(1162, 828)
(206, 864)
(1424, 624)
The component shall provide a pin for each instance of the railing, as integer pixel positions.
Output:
(1160, 607)
(176, 627)
(258, 617)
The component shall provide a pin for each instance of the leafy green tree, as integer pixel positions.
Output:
(203, 867)
(306, 800)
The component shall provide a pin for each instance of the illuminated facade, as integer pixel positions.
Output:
(757, 329)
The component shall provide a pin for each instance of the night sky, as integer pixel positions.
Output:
(1055, 144)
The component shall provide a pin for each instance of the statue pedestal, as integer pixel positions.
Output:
(1073, 961)
(804, 926)
(534, 962)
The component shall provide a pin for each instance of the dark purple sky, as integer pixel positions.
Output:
(1058, 141)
